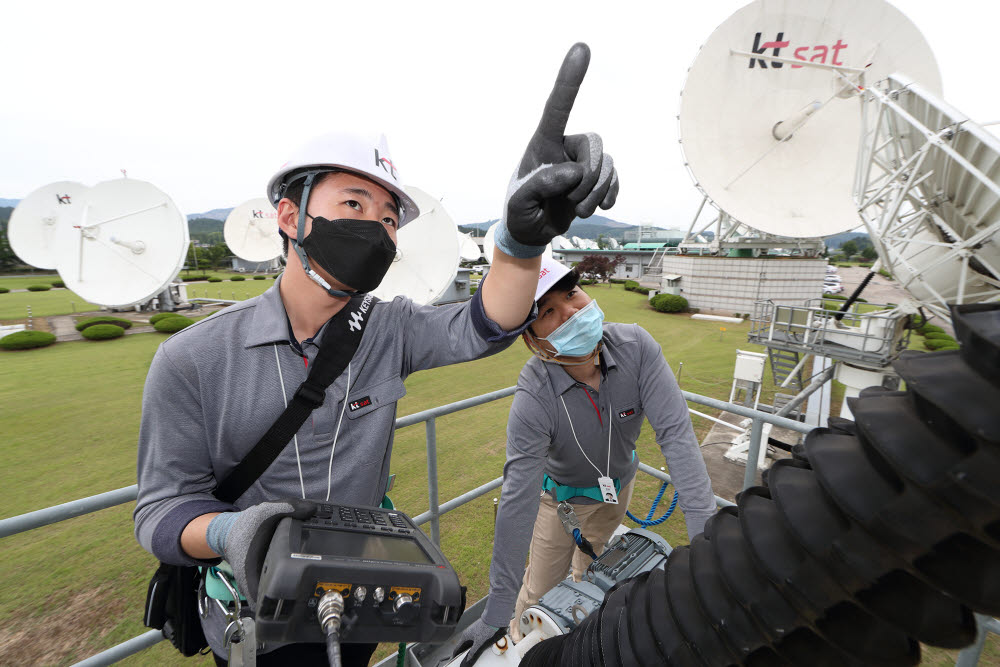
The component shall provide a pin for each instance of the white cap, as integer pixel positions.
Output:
(364, 154)
(551, 272)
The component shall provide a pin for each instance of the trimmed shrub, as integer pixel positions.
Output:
(25, 340)
(642, 290)
(103, 332)
(669, 303)
(173, 324)
(237, 279)
(3, 290)
(260, 277)
(630, 285)
(938, 343)
(838, 297)
(948, 346)
(58, 283)
(162, 316)
(845, 266)
(617, 281)
(587, 281)
(213, 279)
(189, 279)
(939, 335)
(102, 319)
(929, 328)
(39, 288)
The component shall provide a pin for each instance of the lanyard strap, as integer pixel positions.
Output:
(580, 447)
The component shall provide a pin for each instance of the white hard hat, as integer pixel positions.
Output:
(366, 155)
(551, 272)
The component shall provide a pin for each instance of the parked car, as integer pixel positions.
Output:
(832, 289)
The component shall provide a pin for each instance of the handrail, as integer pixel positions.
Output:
(72, 509)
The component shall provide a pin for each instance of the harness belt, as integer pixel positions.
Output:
(567, 492)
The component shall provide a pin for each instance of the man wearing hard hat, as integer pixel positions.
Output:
(216, 387)
(571, 435)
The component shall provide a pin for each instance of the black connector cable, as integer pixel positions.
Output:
(877, 535)
(329, 612)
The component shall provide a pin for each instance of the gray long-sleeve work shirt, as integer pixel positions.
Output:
(635, 382)
(214, 388)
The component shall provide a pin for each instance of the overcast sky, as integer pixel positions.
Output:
(205, 99)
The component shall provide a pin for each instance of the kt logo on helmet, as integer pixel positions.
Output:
(818, 53)
(386, 164)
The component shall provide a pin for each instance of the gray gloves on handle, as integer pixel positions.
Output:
(242, 538)
(559, 178)
(476, 638)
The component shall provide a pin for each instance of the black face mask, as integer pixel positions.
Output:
(355, 252)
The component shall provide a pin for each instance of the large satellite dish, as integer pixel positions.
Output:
(34, 223)
(929, 193)
(469, 249)
(769, 120)
(427, 254)
(251, 231)
(126, 246)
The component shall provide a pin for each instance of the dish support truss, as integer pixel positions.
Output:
(927, 187)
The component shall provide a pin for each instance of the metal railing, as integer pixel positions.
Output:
(872, 338)
(49, 515)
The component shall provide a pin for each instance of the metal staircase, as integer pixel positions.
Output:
(783, 362)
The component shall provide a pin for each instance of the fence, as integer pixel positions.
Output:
(32, 520)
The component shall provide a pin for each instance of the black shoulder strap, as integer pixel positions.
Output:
(340, 342)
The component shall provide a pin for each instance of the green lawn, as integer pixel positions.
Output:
(14, 305)
(69, 416)
(22, 283)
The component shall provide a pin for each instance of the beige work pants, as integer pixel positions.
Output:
(552, 550)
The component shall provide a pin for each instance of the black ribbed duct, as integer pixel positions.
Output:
(876, 535)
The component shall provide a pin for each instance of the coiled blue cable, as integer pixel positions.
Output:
(648, 522)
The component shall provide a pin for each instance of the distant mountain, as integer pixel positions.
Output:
(214, 214)
(597, 221)
(9, 202)
(838, 240)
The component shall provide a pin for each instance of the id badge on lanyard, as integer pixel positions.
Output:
(604, 482)
(608, 490)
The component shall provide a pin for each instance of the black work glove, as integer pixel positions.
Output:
(560, 178)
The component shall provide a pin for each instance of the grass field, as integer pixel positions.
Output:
(69, 419)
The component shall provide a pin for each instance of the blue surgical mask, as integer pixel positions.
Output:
(580, 334)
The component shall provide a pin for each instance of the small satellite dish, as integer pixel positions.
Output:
(251, 231)
(33, 225)
(577, 242)
(469, 249)
(489, 244)
(769, 120)
(126, 245)
(427, 254)
(561, 243)
(613, 244)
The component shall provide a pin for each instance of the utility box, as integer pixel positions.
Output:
(749, 366)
